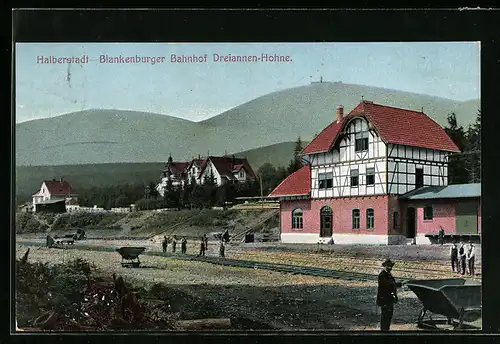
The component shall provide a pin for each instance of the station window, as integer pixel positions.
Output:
(428, 212)
(325, 180)
(370, 218)
(370, 176)
(354, 178)
(361, 143)
(297, 219)
(355, 218)
(395, 219)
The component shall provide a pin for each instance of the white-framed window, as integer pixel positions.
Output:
(370, 218)
(361, 141)
(325, 180)
(297, 219)
(354, 178)
(370, 176)
(355, 218)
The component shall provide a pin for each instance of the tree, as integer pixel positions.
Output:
(474, 151)
(296, 162)
(457, 165)
(209, 179)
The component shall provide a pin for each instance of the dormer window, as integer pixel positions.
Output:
(361, 143)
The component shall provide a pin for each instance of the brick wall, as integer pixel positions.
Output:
(342, 214)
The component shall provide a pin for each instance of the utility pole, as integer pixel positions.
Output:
(261, 193)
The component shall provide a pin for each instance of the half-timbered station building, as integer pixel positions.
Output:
(357, 169)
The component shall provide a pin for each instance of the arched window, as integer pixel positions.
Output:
(297, 220)
(355, 218)
(326, 210)
(370, 218)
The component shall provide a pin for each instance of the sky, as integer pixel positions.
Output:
(200, 90)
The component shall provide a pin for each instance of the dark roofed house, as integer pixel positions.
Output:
(226, 169)
(174, 171)
(53, 192)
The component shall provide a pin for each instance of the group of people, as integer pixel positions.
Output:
(463, 258)
(224, 239)
(173, 241)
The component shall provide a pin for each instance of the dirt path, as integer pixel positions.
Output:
(255, 299)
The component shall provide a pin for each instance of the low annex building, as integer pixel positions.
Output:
(357, 169)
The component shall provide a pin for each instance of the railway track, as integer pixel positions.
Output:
(284, 268)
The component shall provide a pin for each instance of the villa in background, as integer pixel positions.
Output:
(53, 196)
(224, 170)
(377, 176)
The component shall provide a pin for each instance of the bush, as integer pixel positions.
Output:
(209, 217)
(86, 220)
(28, 223)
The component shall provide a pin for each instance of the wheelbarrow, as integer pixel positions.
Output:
(457, 299)
(131, 256)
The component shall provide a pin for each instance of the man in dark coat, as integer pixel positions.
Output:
(454, 258)
(387, 295)
(183, 245)
(164, 244)
(463, 257)
(441, 236)
(202, 247)
(174, 244)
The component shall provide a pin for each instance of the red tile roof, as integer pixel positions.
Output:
(56, 187)
(394, 125)
(296, 184)
(226, 165)
(178, 169)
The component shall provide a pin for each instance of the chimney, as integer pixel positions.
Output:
(61, 180)
(340, 113)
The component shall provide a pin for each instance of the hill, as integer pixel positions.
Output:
(106, 136)
(278, 154)
(29, 178)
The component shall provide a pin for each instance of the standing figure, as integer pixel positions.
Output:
(222, 248)
(454, 258)
(386, 294)
(164, 244)
(441, 235)
(202, 247)
(174, 244)
(471, 257)
(462, 256)
(206, 241)
(183, 245)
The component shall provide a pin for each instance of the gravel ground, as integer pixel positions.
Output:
(268, 299)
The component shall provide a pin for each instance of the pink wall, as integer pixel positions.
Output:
(342, 214)
(393, 206)
(443, 216)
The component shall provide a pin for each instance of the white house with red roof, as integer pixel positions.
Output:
(174, 171)
(53, 191)
(226, 170)
(357, 168)
(194, 169)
